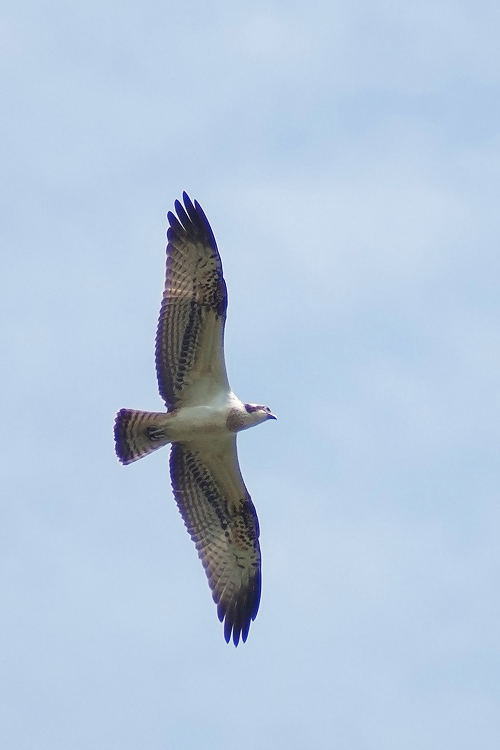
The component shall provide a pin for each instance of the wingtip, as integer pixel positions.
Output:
(188, 203)
(236, 628)
(231, 632)
(232, 629)
(190, 218)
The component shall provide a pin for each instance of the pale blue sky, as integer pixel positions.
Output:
(347, 155)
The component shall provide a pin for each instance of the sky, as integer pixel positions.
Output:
(347, 155)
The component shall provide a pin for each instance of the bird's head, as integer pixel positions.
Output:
(258, 413)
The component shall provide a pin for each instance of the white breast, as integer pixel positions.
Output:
(210, 420)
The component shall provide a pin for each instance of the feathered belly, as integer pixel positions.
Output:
(198, 422)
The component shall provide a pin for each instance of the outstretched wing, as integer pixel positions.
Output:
(190, 336)
(222, 522)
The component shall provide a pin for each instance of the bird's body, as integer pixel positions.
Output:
(202, 419)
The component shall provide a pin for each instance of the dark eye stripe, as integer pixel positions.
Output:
(250, 408)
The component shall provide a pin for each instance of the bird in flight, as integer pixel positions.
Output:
(201, 422)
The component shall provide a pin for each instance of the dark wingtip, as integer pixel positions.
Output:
(238, 616)
(190, 221)
(187, 201)
(232, 626)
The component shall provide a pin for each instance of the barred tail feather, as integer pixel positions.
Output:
(138, 433)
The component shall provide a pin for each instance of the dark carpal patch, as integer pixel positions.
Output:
(219, 298)
(245, 522)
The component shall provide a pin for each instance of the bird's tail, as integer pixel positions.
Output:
(138, 433)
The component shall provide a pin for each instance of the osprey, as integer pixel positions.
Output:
(201, 422)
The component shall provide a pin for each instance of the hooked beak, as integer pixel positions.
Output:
(271, 416)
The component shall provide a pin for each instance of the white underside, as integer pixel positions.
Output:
(204, 422)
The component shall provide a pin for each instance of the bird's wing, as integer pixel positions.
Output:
(222, 521)
(190, 336)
